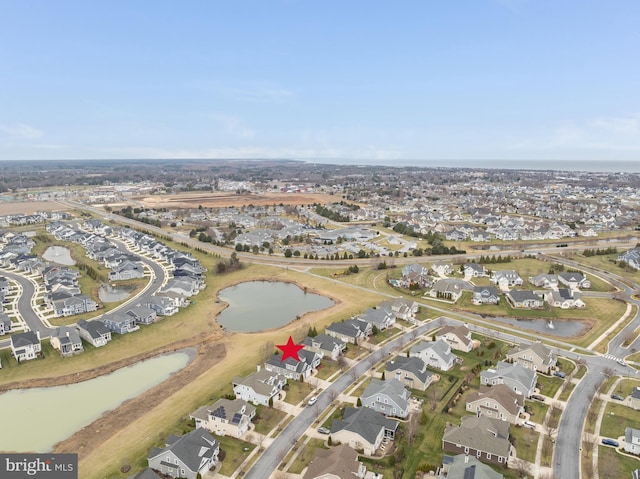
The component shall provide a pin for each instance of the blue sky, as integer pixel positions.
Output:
(374, 81)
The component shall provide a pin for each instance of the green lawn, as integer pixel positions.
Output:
(297, 391)
(525, 441)
(267, 418)
(626, 386)
(616, 418)
(566, 392)
(305, 455)
(566, 365)
(537, 410)
(612, 465)
(354, 351)
(235, 452)
(549, 385)
(592, 415)
(327, 368)
(582, 370)
(605, 262)
(382, 336)
(547, 451)
(360, 389)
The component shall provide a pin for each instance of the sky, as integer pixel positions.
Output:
(359, 80)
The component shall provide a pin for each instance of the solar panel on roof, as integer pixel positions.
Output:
(236, 418)
(470, 472)
(219, 412)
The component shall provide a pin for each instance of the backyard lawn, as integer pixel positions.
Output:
(297, 391)
(235, 452)
(612, 465)
(267, 418)
(616, 418)
(525, 440)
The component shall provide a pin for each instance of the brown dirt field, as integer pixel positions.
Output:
(220, 200)
(29, 207)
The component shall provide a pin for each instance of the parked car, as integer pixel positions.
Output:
(560, 374)
(537, 397)
(312, 401)
(529, 424)
(324, 430)
(621, 362)
(610, 442)
(617, 397)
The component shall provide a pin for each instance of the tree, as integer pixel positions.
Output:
(288, 253)
(359, 402)
(382, 377)
(521, 466)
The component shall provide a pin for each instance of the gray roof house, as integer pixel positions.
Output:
(325, 345)
(402, 308)
(524, 299)
(411, 371)
(126, 270)
(67, 341)
(142, 314)
(486, 439)
(187, 456)
(436, 354)
(381, 318)
(535, 356)
(337, 462)
(119, 323)
(474, 270)
(496, 402)
(387, 397)
(5, 285)
(544, 280)
(146, 473)
(486, 295)
(94, 332)
(631, 257)
(520, 379)
(458, 337)
(5, 324)
(506, 278)
(25, 346)
(349, 331)
(464, 466)
(259, 387)
(162, 305)
(449, 289)
(292, 369)
(574, 280)
(564, 298)
(226, 417)
(363, 428)
(632, 440)
(635, 398)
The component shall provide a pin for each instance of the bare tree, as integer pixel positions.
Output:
(522, 467)
(549, 422)
(412, 427)
(608, 372)
(342, 362)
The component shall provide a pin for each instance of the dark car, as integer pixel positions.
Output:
(617, 397)
(537, 398)
(610, 442)
(560, 374)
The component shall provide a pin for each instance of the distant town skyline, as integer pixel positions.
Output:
(496, 82)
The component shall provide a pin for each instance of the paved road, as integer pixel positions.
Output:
(24, 303)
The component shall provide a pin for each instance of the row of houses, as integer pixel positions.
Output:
(32, 219)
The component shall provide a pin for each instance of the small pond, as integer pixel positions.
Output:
(112, 294)
(260, 305)
(560, 328)
(59, 254)
(41, 417)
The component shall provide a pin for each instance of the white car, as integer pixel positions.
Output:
(312, 401)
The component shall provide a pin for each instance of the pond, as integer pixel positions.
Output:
(59, 254)
(560, 328)
(42, 417)
(112, 294)
(260, 305)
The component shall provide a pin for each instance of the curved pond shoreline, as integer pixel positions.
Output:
(273, 305)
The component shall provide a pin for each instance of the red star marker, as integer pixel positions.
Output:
(290, 350)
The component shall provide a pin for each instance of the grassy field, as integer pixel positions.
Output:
(267, 418)
(327, 368)
(549, 385)
(612, 465)
(235, 452)
(566, 392)
(606, 263)
(525, 442)
(297, 391)
(616, 418)
(537, 410)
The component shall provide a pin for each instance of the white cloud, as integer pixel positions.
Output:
(262, 95)
(233, 126)
(21, 130)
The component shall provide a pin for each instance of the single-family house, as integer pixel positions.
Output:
(442, 269)
(564, 298)
(5, 324)
(70, 305)
(146, 473)
(481, 437)
(25, 346)
(474, 270)
(524, 299)
(337, 462)
(225, 417)
(186, 456)
(535, 356)
(162, 305)
(635, 398)
(517, 377)
(126, 270)
(506, 278)
(631, 257)
(349, 331)
(259, 387)
(632, 440)
(94, 332)
(388, 397)
(363, 429)
(67, 341)
(449, 289)
(325, 345)
(415, 276)
(458, 338)
(380, 318)
(119, 323)
(435, 354)
(574, 280)
(410, 371)
(402, 308)
(464, 466)
(496, 402)
(486, 295)
(5, 285)
(292, 369)
(142, 314)
(183, 285)
(543, 280)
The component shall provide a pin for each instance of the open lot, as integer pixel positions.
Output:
(28, 207)
(220, 200)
